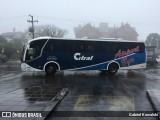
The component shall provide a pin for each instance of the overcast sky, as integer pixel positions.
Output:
(143, 15)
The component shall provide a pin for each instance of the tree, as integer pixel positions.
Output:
(153, 39)
(12, 49)
(50, 30)
(7, 49)
(2, 39)
(3, 44)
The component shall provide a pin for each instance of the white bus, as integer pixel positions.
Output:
(55, 54)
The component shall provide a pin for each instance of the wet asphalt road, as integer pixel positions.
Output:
(88, 90)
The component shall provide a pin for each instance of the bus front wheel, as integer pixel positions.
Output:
(113, 68)
(50, 69)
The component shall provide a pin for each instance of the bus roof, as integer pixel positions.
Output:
(81, 39)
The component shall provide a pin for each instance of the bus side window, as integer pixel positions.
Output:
(49, 47)
(67, 46)
(90, 48)
(98, 47)
(106, 48)
(115, 46)
(73, 47)
(142, 47)
(125, 46)
(58, 46)
(102, 47)
(82, 48)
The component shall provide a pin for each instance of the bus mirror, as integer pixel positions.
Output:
(27, 46)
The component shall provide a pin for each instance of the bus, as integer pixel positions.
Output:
(58, 54)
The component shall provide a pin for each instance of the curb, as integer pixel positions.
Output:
(154, 98)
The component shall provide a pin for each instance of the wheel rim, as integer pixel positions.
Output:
(113, 69)
(50, 69)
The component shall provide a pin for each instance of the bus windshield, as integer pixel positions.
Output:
(34, 49)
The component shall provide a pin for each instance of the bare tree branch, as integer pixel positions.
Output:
(50, 30)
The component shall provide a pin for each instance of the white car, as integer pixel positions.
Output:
(158, 58)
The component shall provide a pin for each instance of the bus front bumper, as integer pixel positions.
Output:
(26, 67)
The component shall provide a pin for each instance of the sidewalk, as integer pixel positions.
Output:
(154, 97)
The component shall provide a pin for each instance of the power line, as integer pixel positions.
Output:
(32, 21)
(12, 18)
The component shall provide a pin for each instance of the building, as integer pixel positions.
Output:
(125, 31)
(14, 35)
(86, 31)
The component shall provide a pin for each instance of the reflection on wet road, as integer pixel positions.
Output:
(87, 90)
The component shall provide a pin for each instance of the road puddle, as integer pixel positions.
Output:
(104, 103)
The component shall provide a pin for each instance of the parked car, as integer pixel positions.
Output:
(3, 58)
(158, 58)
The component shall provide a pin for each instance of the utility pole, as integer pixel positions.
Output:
(32, 21)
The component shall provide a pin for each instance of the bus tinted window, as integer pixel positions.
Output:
(90, 46)
(124, 46)
(114, 46)
(49, 46)
(85, 46)
(135, 45)
(142, 47)
(78, 46)
(54, 46)
(68, 46)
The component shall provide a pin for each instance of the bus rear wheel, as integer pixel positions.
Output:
(50, 69)
(113, 68)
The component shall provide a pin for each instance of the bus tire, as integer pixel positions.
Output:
(51, 69)
(113, 68)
